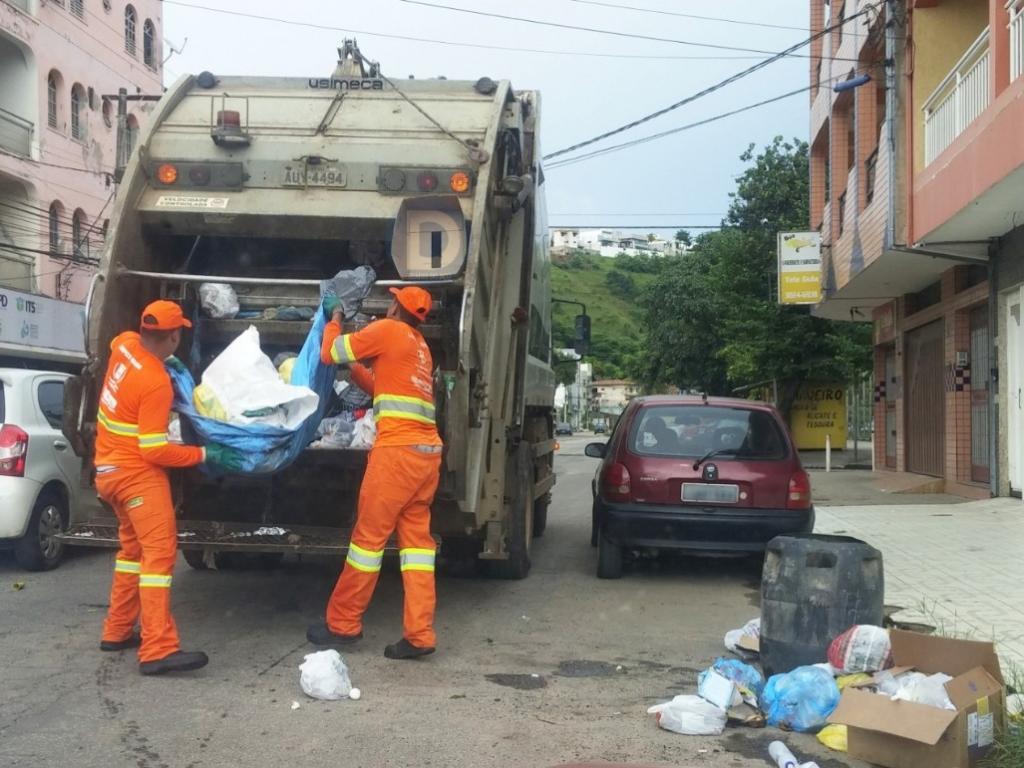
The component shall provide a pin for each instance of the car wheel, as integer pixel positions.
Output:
(40, 549)
(609, 558)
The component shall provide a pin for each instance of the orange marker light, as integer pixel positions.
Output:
(167, 173)
(459, 181)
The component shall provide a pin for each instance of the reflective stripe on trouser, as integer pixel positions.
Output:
(364, 560)
(142, 571)
(396, 493)
(403, 407)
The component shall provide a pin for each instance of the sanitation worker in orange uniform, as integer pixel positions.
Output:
(401, 475)
(132, 452)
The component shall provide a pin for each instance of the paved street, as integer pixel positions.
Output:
(475, 703)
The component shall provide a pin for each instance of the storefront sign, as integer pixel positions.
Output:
(819, 410)
(800, 267)
(27, 320)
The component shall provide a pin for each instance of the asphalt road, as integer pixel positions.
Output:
(554, 669)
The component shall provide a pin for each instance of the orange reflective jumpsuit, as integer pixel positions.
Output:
(131, 451)
(401, 475)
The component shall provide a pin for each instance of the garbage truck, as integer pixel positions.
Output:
(271, 185)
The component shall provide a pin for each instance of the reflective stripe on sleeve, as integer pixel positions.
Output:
(403, 407)
(116, 427)
(127, 566)
(417, 559)
(341, 350)
(154, 440)
(363, 559)
(155, 580)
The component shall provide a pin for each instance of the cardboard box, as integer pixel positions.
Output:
(903, 734)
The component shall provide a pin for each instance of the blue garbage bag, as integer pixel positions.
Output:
(744, 675)
(265, 449)
(800, 700)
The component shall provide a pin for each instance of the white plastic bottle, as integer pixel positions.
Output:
(783, 758)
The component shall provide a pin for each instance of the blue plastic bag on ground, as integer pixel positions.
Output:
(745, 676)
(801, 700)
(265, 449)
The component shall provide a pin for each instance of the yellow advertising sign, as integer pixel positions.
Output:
(819, 410)
(800, 267)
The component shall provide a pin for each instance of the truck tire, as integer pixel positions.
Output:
(609, 558)
(39, 549)
(194, 558)
(540, 515)
(519, 531)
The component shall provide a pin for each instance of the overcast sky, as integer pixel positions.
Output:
(688, 173)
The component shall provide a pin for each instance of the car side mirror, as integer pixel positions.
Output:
(596, 450)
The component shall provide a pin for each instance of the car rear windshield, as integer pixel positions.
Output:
(696, 430)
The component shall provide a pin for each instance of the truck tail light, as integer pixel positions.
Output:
(13, 450)
(459, 182)
(426, 181)
(615, 482)
(799, 496)
(199, 175)
(229, 118)
(167, 174)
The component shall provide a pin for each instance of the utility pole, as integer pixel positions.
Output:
(124, 145)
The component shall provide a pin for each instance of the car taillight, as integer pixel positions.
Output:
(615, 482)
(13, 450)
(799, 496)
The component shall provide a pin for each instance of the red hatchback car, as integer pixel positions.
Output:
(701, 474)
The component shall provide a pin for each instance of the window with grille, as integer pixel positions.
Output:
(149, 44)
(78, 231)
(54, 227)
(130, 24)
(77, 113)
(51, 100)
(78, 8)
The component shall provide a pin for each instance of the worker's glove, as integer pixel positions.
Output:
(175, 364)
(224, 457)
(332, 304)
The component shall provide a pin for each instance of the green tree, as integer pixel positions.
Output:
(723, 302)
(620, 284)
(683, 236)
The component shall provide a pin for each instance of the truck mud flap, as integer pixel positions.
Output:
(235, 537)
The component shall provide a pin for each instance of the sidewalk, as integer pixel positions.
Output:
(957, 567)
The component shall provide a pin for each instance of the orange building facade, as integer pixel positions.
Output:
(917, 186)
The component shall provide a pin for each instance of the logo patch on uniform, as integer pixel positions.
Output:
(134, 503)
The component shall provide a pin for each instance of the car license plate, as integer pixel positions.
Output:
(711, 493)
(314, 176)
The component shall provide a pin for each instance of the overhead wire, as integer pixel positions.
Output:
(659, 12)
(705, 92)
(610, 32)
(455, 43)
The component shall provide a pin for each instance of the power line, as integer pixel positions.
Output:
(599, 31)
(456, 43)
(709, 90)
(688, 15)
(55, 165)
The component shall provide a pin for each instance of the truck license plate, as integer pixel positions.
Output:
(314, 176)
(711, 493)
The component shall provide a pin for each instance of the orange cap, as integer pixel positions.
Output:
(163, 316)
(414, 300)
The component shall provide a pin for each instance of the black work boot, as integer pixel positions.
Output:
(321, 634)
(132, 641)
(179, 661)
(403, 649)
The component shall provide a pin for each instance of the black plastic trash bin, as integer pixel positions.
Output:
(815, 587)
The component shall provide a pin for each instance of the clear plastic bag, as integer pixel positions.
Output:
(800, 700)
(323, 675)
(335, 432)
(365, 432)
(918, 687)
(218, 300)
(751, 629)
(689, 715)
(861, 648)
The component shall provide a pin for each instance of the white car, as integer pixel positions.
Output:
(39, 472)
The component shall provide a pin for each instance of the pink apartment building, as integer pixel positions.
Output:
(59, 59)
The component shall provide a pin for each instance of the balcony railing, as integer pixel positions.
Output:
(1016, 9)
(15, 133)
(958, 101)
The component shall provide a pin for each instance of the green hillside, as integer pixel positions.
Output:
(609, 287)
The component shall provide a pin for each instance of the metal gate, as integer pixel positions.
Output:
(980, 368)
(890, 407)
(925, 401)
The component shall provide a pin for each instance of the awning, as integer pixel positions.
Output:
(894, 273)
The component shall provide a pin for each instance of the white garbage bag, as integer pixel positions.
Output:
(323, 675)
(689, 715)
(218, 300)
(244, 381)
(365, 432)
